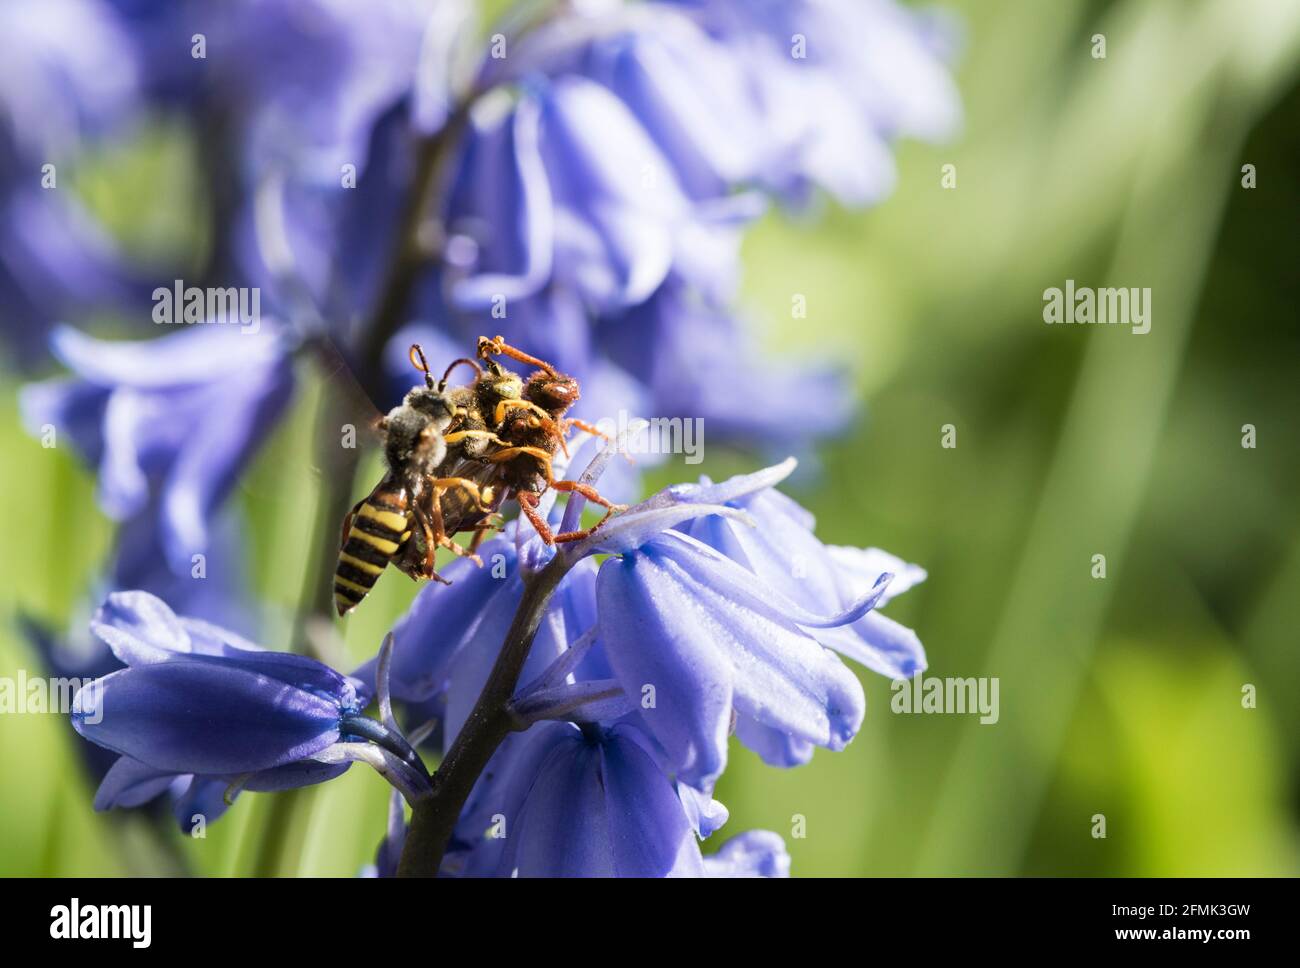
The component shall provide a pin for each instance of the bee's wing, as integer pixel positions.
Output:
(461, 507)
(361, 415)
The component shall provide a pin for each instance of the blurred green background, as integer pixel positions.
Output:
(1120, 696)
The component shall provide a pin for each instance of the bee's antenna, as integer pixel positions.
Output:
(464, 360)
(499, 345)
(421, 364)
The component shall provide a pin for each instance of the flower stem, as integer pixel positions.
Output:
(412, 250)
(488, 724)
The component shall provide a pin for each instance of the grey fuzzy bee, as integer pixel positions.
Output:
(379, 529)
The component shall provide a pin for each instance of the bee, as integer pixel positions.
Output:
(529, 430)
(379, 529)
(453, 456)
(470, 501)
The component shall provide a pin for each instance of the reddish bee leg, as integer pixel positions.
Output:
(591, 494)
(480, 533)
(430, 541)
(528, 504)
(461, 552)
(441, 484)
(509, 453)
(595, 432)
(584, 426)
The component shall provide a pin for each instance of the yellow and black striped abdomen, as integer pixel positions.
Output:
(380, 529)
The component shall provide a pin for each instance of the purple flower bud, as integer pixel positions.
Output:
(197, 699)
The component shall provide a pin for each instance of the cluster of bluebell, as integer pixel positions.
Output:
(693, 627)
(579, 185)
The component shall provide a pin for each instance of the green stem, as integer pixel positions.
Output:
(338, 467)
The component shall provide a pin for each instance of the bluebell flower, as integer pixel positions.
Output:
(837, 81)
(671, 344)
(446, 643)
(70, 81)
(319, 101)
(591, 801)
(567, 188)
(774, 95)
(605, 199)
(138, 562)
(641, 668)
(174, 419)
(57, 262)
(69, 74)
(783, 550)
(197, 699)
(692, 631)
(313, 77)
(707, 644)
(200, 714)
(754, 853)
(689, 93)
(302, 81)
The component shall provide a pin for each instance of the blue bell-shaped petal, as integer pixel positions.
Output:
(196, 699)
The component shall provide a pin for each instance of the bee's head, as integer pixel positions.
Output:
(553, 392)
(430, 402)
(499, 384)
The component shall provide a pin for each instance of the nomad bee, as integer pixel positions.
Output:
(453, 457)
(378, 529)
(530, 430)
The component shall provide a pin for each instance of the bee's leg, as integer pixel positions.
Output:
(595, 432)
(591, 494)
(461, 552)
(500, 456)
(586, 427)
(505, 406)
(437, 486)
(442, 484)
(457, 436)
(480, 533)
(528, 504)
(430, 540)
